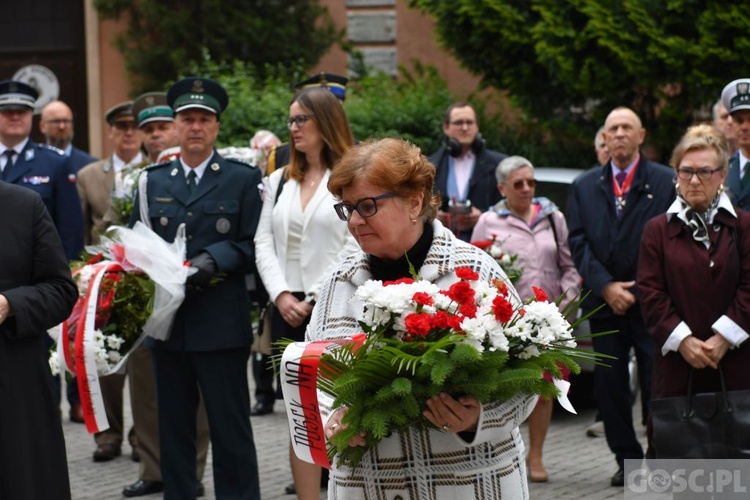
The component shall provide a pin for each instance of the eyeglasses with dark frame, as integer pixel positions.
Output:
(298, 120)
(366, 207)
(59, 121)
(520, 182)
(703, 174)
(461, 123)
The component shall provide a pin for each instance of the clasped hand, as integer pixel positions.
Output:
(618, 297)
(443, 411)
(700, 354)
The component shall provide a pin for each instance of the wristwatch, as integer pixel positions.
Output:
(310, 299)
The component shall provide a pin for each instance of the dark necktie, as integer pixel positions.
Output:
(745, 177)
(621, 177)
(8, 154)
(191, 184)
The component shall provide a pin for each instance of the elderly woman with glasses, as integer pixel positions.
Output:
(299, 236)
(694, 277)
(474, 450)
(535, 230)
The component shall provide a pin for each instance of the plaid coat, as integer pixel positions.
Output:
(427, 464)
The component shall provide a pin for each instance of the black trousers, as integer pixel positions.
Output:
(613, 382)
(222, 378)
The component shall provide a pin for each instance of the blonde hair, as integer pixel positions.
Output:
(698, 138)
(392, 164)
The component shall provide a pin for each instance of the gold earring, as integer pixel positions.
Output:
(414, 221)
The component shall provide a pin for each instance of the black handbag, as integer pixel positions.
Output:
(704, 425)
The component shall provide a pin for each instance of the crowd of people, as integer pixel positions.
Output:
(318, 217)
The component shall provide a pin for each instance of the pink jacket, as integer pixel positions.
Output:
(546, 264)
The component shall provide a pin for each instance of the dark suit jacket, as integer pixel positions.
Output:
(483, 191)
(35, 278)
(79, 159)
(740, 196)
(605, 247)
(47, 171)
(680, 280)
(220, 218)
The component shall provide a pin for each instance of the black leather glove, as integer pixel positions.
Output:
(206, 266)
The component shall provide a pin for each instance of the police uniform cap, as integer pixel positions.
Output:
(152, 107)
(17, 95)
(119, 110)
(335, 83)
(197, 93)
(736, 95)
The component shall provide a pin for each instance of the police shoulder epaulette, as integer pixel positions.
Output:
(154, 166)
(52, 149)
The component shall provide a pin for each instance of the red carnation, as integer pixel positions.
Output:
(502, 308)
(469, 309)
(407, 281)
(422, 298)
(441, 319)
(483, 244)
(418, 324)
(460, 292)
(455, 323)
(502, 288)
(541, 295)
(466, 273)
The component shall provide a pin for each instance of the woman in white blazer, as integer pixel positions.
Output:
(299, 236)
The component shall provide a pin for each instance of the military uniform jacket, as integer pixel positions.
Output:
(739, 195)
(95, 182)
(221, 217)
(47, 171)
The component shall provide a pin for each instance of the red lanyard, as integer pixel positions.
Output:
(622, 192)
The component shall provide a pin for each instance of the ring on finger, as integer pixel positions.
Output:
(446, 427)
(334, 427)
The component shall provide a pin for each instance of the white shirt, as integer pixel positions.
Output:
(462, 168)
(17, 148)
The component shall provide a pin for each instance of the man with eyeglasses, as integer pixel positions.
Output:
(97, 183)
(608, 208)
(56, 124)
(736, 99)
(465, 176)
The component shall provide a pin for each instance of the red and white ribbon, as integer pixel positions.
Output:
(299, 382)
(85, 357)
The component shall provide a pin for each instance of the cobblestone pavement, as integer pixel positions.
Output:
(579, 466)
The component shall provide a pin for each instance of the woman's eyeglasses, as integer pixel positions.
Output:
(519, 183)
(703, 174)
(298, 120)
(366, 207)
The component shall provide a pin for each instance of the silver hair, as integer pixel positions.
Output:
(598, 137)
(510, 165)
(715, 110)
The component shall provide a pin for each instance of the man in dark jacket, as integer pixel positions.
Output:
(607, 210)
(736, 98)
(465, 175)
(208, 347)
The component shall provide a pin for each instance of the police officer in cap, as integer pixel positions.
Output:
(279, 156)
(39, 167)
(157, 129)
(736, 98)
(208, 347)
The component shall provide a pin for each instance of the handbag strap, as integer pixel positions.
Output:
(690, 393)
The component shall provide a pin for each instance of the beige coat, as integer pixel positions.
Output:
(95, 182)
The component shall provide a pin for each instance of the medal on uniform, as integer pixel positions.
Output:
(173, 172)
(223, 225)
(215, 167)
(163, 221)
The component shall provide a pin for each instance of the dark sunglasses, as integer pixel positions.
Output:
(519, 183)
(366, 207)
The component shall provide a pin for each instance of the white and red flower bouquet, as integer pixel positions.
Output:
(130, 286)
(420, 340)
(506, 260)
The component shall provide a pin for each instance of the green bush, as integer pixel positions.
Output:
(410, 107)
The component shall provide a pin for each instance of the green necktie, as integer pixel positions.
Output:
(191, 184)
(746, 176)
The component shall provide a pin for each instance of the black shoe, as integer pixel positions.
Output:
(200, 490)
(262, 409)
(619, 478)
(143, 487)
